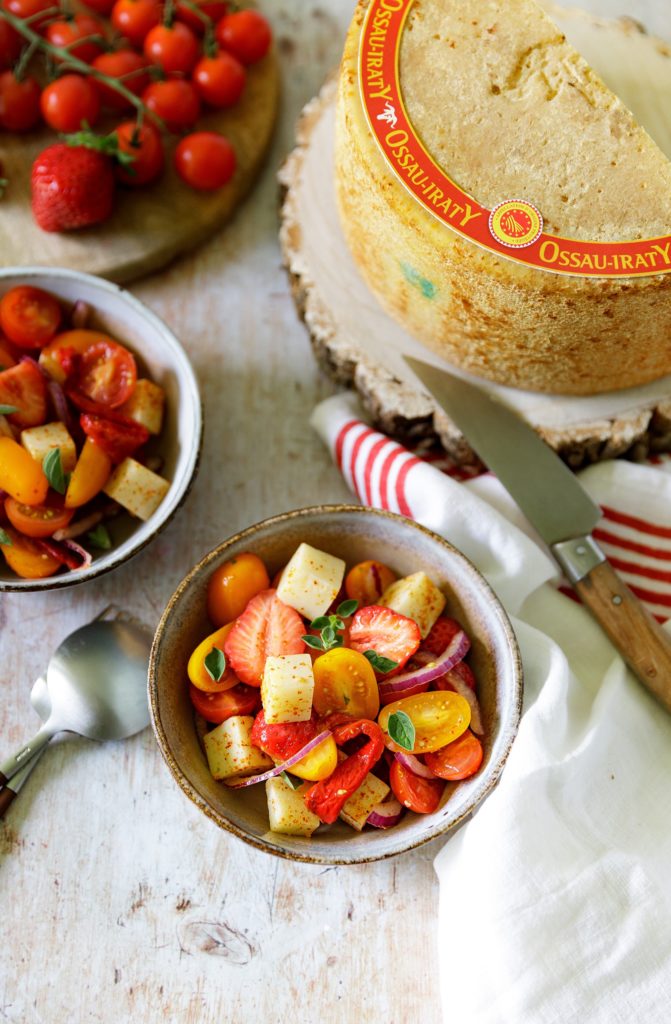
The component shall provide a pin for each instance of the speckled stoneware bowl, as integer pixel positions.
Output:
(160, 355)
(355, 534)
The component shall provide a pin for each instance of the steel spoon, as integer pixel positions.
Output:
(97, 685)
(41, 702)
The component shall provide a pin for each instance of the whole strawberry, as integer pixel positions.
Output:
(72, 187)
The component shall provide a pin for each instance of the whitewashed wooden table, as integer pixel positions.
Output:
(121, 902)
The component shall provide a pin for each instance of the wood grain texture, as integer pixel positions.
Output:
(151, 225)
(122, 902)
(641, 641)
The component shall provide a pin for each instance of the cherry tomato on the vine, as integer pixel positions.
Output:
(19, 102)
(175, 101)
(220, 80)
(134, 18)
(245, 34)
(125, 64)
(212, 9)
(29, 316)
(10, 44)
(31, 9)
(67, 32)
(174, 48)
(144, 144)
(100, 6)
(205, 160)
(70, 103)
(416, 793)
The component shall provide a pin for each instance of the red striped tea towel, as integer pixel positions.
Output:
(554, 900)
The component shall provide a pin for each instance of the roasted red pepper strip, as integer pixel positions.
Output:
(327, 798)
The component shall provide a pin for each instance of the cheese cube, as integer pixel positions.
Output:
(39, 441)
(287, 688)
(417, 598)
(310, 581)
(287, 811)
(371, 792)
(145, 405)
(230, 751)
(137, 488)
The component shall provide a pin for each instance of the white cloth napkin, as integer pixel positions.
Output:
(555, 899)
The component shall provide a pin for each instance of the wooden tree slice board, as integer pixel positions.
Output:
(150, 225)
(358, 344)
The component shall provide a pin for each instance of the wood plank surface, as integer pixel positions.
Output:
(121, 902)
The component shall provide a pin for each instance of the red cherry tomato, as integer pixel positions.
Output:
(23, 386)
(100, 6)
(414, 792)
(205, 160)
(38, 520)
(217, 707)
(126, 64)
(66, 32)
(10, 44)
(220, 80)
(175, 101)
(144, 145)
(19, 102)
(245, 34)
(107, 374)
(31, 9)
(116, 438)
(214, 10)
(174, 48)
(29, 316)
(69, 103)
(7, 356)
(458, 760)
(134, 18)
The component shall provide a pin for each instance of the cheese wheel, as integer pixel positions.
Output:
(509, 110)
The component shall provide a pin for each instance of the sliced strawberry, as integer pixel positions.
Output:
(266, 628)
(386, 632)
(23, 387)
(442, 632)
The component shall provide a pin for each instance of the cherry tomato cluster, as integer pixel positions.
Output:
(166, 62)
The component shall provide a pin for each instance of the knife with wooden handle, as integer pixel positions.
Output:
(557, 506)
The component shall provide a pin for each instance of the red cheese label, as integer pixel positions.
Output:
(514, 228)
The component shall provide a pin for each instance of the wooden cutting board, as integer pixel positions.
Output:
(150, 225)
(360, 345)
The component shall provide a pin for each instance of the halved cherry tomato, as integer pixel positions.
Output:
(38, 520)
(232, 586)
(438, 717)
(416, 793)
(458, 760)
(29, 316)
(367, 581)
(23, 387)
(7, 357)
(345, 681)
(117, 439)
(196, 670)
(28, 558)
(89, 475)
(107, 374)
(281, 741)
(60, 358)
(217, 707)
(20, 475)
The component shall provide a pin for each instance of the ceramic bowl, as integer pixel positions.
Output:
(160, 355)
(354, 534)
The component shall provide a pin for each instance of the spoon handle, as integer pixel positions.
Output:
(13, 764)
(11, 790)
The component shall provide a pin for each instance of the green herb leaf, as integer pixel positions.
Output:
(52, 465)
(315, 642)
(328, 634)
(100, 537)
(337, 622)
(290, 780)
(7, 410)
(215, 664)
(347, 608)
(379, 663)
(321, 622)
(5, 538)
(401, 730)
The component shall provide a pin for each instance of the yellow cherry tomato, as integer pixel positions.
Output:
(54, 356)
(233, 585)
(196, 670)
(367, 582)
(438, 717)
(319, 763)
(345, 681)
(20, 475)
(27, 559)
(89, 475)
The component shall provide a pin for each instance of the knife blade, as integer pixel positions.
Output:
(553, 501)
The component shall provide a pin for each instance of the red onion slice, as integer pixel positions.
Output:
(85, 555)
(386, 814)
(252, 780)
(60, 404)
(457, 684)
(414, 765)
(418, 679)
